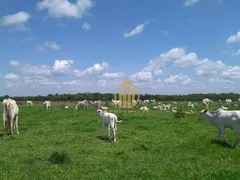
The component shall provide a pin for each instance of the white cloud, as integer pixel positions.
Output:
(237, 53)
(190, 2)
(179, 58)
(14, 63)
(64, 8)
(94, 70)
(11, 76)
(232, 73)
(52, 45)
(76, 83)
(220, 80)
(234, 38)
(165, 33)
(18, 20)
(86, 26)
(142, 77)
(178, 80)
(62, 66)
(49, 44)
(114, 75)
(137, 30)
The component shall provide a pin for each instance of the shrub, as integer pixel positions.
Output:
(59, 157)
(179, 113)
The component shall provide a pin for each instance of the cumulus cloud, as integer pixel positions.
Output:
(234, 38)
(192, 74)
(86, 26)
(237, 53)
(62, 66)
(52, 45)
(17, 20)
(137, 30)
(190, 2)
(49, 44)
(178, 80)
(64, 8)
(14, 63)
(11, 76)
(179, 58)
(114, 75)
(96, 69)
(142, 77)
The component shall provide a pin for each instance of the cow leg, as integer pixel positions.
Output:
(223, 135)
(11, 125)
(114, 134)
(16, 124)
(108, 131)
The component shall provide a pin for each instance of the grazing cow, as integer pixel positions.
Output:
(206, 102)
(191, 105)
(222, 119)
(109, 119)
(29, 103)
(83, 104)
(144, 108)
(228, 101)
(152, 101)
(10, 115)
(146, 102)
(47, 105)
(174, 109)
(224, 108)
(155, 107)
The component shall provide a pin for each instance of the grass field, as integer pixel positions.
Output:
(149, 146)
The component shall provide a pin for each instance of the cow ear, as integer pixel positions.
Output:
(205, 110)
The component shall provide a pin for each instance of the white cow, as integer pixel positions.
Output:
(83, 104)
(29, 103)
(109, 119)
(152, 101)
(206, 102)
(224, 108)
(155, 107)
(10, 115)
(146, 102)
(116, 103)
(47, 105)
(228, 101)
(144, 108)
(191, 105)
(174, 109)
(104, 108)
(222, 119)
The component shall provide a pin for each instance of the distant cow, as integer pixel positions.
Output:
(29, 103)
(47, 105)
(83, 104)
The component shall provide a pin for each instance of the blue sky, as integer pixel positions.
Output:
(164, 47)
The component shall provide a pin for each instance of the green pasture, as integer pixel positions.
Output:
(153, 145)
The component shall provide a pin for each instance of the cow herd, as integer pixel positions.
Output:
(221, 118)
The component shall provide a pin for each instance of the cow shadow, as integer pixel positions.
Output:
(104, 138)
(221, 143)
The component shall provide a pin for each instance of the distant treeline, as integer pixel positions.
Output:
(109, 97)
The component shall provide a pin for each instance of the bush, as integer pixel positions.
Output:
(179, 113)
(59, 157)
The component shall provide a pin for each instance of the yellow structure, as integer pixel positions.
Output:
(126, 94)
